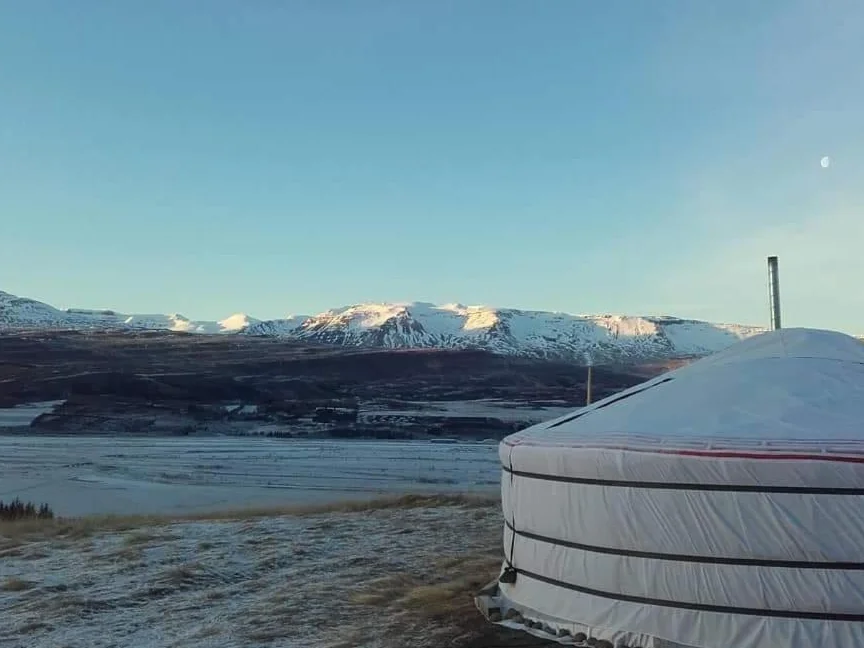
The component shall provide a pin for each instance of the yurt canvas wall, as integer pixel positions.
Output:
(719, 505)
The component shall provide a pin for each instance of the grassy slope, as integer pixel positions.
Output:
(394, 572)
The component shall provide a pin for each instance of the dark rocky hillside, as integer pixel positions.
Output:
(176, 383)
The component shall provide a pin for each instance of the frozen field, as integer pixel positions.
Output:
(95, 475)
(390, 576)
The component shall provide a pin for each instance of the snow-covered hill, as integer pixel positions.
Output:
(285, 327)
(20, 312)
(602, 338)
(23, 313)
(176, 322)
(598, 338)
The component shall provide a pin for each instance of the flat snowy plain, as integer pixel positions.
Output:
(377, 573)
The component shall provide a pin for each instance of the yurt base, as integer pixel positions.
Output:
(497, 609)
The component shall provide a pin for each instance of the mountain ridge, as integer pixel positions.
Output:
(506, 331)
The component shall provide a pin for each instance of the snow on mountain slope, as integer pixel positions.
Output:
(696, 338)
(177, 322)
(604, 338)
(279, 327)
(236, 322)
(20, 312)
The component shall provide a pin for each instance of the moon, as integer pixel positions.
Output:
(825, 162)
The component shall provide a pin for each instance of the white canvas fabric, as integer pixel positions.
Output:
(721, 504)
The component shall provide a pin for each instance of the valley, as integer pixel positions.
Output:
(177, 384)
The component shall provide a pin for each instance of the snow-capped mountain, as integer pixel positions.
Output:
(598, 338)
(591, 338)
(20, 312)
(285, 327)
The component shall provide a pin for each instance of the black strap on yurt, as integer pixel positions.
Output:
(697, 607)
(687, 558)
(682, 486)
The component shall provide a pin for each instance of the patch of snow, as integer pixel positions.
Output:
(236, 322)
(238, 408)
(284, 327)
(20, 312)
(457, 409)
(22, 415)
(694, 338)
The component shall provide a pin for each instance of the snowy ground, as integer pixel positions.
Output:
(191, 575)
(96, 475)
(379, 578)
(25, 414)
(503, 410)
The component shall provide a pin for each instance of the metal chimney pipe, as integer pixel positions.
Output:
(774, 292)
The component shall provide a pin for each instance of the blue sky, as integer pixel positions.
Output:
(280, 157)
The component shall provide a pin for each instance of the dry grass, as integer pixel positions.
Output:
(447, 590)
(145, 537)
(181, 575)
(417, 598)
(438, 603)
(36, 553)
(382, 592)
(207, 632)
(14, 534)
(15, 585)
(31, 627)
(271, 634)
(11, 551)
(130, 554)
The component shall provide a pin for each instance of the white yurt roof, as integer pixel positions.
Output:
(794, 385)
(721, 504)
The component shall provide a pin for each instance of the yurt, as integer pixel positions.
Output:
(720, 505)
